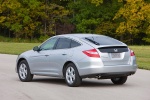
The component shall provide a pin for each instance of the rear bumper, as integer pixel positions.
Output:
(108, 75)
(95, 67)
(108, 70)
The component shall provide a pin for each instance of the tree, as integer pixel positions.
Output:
(27, 18)
(7, 9)
(96, 2)
(108, 26)
(135, 18)
(84, 17)
(89, 17)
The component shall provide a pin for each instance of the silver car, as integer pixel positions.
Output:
(77, 56)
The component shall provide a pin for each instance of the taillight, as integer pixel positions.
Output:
(92, 53)
(132, 53)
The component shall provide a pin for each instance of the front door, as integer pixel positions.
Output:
(39, 61)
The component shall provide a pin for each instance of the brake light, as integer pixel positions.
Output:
(132, 53)
(92, 53)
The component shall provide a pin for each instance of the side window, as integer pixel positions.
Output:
(74, 44)
(63, 43)
(49, 44)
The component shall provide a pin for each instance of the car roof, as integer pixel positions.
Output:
(79, 35)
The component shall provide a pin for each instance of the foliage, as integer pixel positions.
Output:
(106, 28)
(96, 2)
(26, 18)
(43, 38)
(127, 20)
(136, 18)
(88, 17)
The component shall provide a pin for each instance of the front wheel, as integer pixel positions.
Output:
(120, 80)
(72, 77)
(24, 71)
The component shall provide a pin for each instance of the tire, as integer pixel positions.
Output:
(120, 80)
(71, 75)
(24, 71)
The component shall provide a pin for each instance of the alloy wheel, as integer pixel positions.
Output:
(70, 75)
(23, 71)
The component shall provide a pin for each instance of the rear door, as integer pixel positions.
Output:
(60, 54)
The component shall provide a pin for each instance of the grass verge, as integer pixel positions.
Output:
(15, 48)
(142, 55)
(142, 52)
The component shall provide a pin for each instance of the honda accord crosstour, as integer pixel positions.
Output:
(77, 56)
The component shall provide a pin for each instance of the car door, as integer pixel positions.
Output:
(60, 55)
(39, 60)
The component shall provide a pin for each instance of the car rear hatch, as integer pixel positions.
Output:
(115, 55)
(112, 52)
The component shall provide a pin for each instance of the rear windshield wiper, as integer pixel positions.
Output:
(94, 42)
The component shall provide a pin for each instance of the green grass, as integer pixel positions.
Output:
(142, 52)
(15, 48)
(143, 56)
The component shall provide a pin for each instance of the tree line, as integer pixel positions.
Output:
(126, 20)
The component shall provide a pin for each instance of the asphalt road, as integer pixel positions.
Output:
(137, 86)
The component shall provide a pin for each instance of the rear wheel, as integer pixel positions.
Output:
(24, 71)
(119, 80)
(72, 77)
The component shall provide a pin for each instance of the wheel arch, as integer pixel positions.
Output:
(65, 65)
(21, 59)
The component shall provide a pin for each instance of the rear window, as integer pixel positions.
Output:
(103, 40)
(74, 44)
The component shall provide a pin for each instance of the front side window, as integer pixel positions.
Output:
(63, 43)
(49, 44)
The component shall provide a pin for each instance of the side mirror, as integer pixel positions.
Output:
(36, 48)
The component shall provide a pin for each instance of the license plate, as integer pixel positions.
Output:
(115, 55)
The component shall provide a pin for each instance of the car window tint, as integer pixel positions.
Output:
(74, 44)
(63, 43)
(49, 44)
(103, 40)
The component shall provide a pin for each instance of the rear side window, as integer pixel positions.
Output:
(74, 44)
(103, 40)
(63, 43)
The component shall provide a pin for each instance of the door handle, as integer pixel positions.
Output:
(64, 54)
(46, 55)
